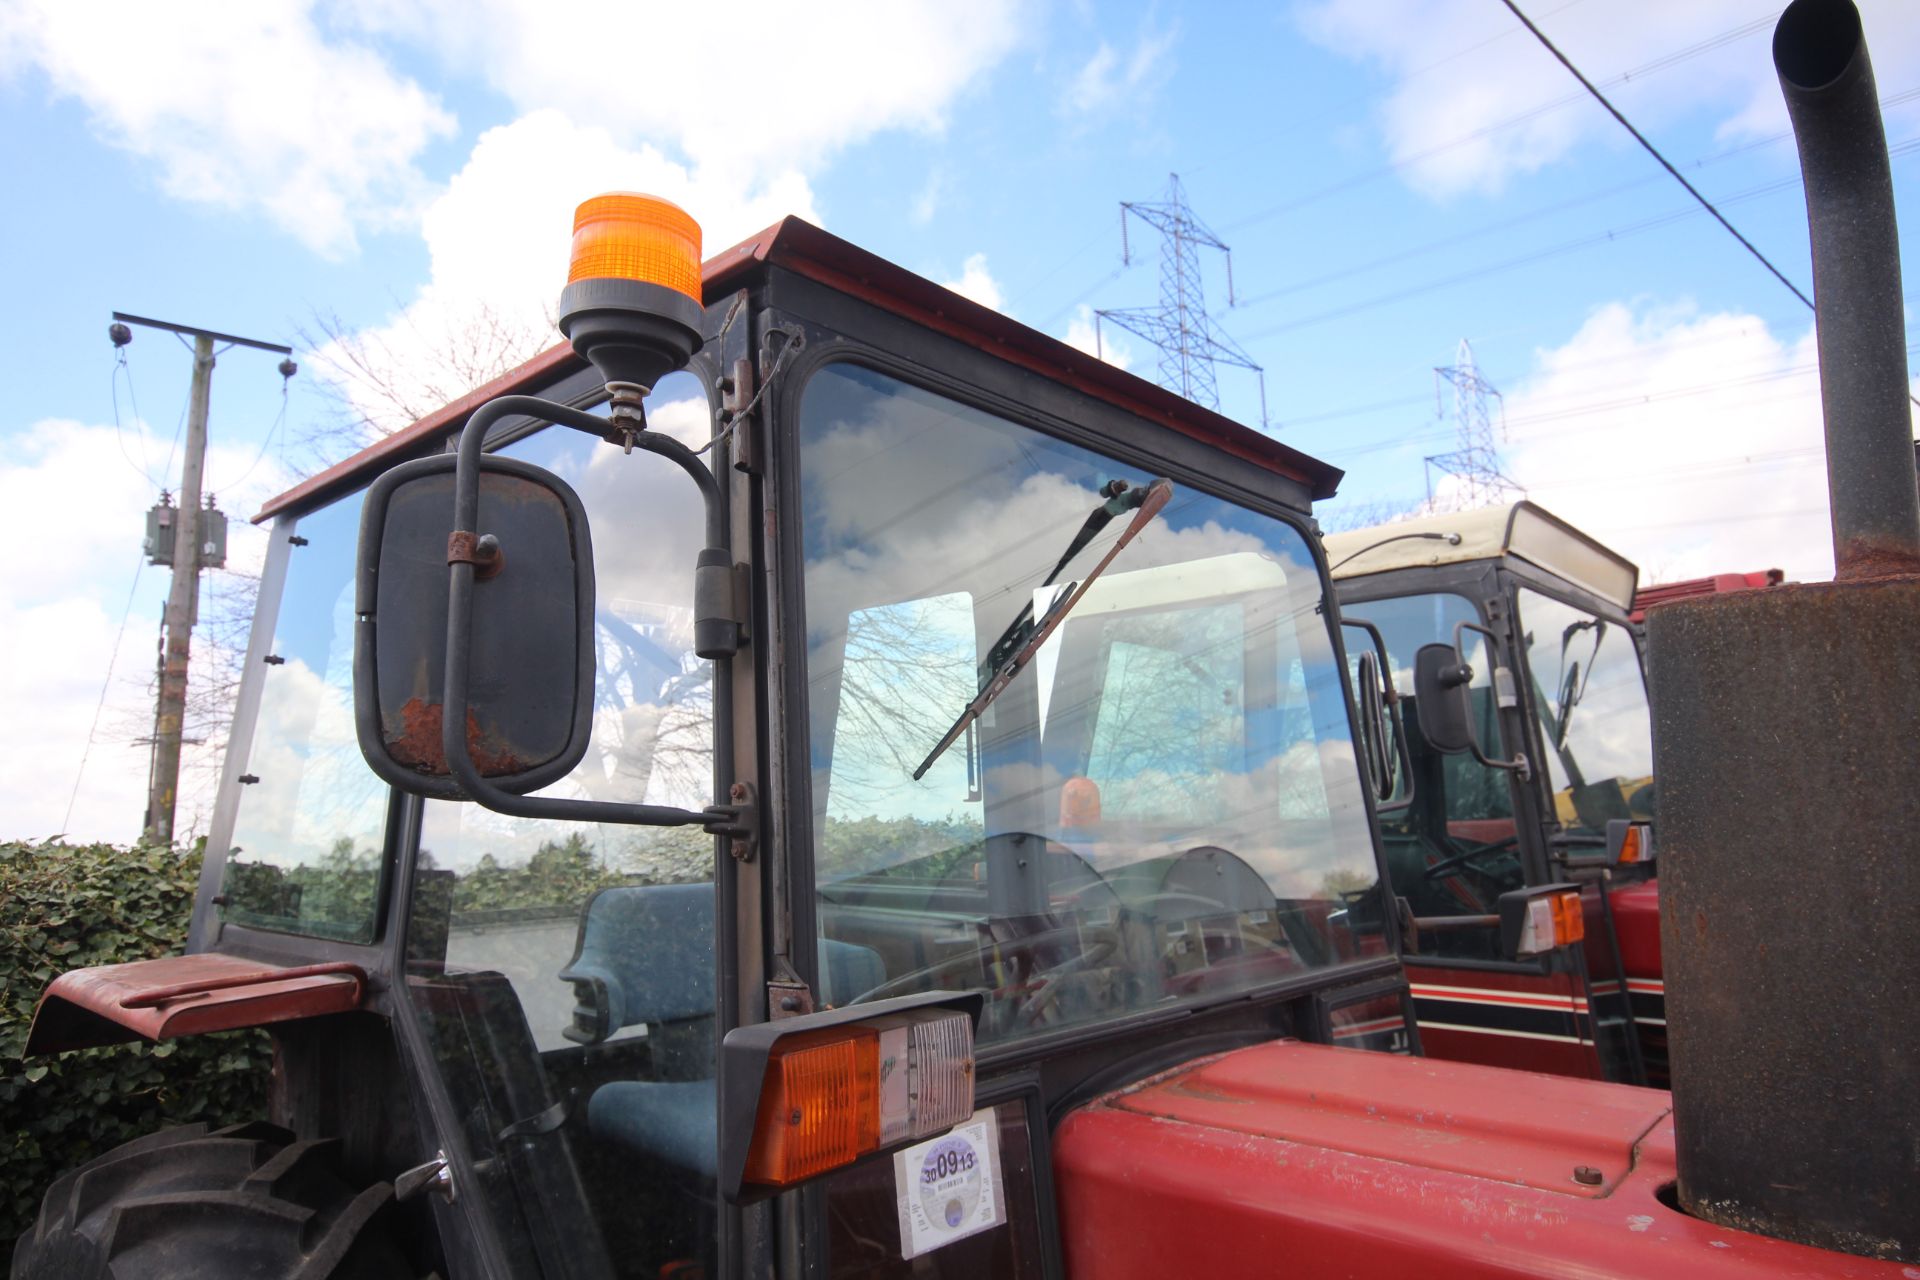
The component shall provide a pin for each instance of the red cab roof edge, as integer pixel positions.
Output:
(819, 255)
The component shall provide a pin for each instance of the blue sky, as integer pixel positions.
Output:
(1393, 176)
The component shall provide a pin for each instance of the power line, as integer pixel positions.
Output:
(1560, 206)
(1487, 130)
(1507, 264)
(1654, 151)
(1539, 255)
(126, 612)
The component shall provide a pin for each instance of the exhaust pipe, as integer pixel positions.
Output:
(1820, 53)
(1783, 740)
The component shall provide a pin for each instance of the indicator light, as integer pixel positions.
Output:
(831, 1096)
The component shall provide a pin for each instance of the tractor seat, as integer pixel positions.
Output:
(645, 958)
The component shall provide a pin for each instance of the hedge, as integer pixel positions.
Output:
(73, 906)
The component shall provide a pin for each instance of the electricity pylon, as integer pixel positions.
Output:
(1475, 459)
(1180, 327)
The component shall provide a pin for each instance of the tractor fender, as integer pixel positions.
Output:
(178, 996)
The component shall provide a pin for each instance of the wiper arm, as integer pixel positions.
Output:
(1023, 637)
(1573, 683)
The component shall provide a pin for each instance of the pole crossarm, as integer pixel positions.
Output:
(191, 332)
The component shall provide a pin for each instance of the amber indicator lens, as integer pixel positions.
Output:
(819, 1105)
(627, 236)
(1569, 924)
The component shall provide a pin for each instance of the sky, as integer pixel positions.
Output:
(395, 181)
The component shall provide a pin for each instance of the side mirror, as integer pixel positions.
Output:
(1440, 680)
(530, 698)
(1383, 745)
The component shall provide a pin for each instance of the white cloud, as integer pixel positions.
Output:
(799, 86)
(1110, 80)
(1691, 443)
(1103, 342)
(977, 283)
(1472, 121)
(247, 107)
(498, 247)
(927, 202)
(61, 613)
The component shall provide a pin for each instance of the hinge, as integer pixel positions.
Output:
(738, 821)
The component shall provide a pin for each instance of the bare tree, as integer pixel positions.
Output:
(381, 380)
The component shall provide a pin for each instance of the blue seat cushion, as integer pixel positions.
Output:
(671, 1120)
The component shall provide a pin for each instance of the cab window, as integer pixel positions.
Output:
(1591, 703)
(1163, 804)
(307, 850)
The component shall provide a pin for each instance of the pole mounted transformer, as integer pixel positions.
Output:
(186, 538)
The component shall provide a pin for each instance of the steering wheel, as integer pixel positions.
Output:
(1452, 865)
(927, 977)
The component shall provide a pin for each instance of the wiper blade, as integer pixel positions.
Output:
(1573, 684)
(1023, 637)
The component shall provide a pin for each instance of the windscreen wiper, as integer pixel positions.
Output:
(1573, 680)
(1024, 636)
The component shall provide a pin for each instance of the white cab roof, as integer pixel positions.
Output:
(1522, 530)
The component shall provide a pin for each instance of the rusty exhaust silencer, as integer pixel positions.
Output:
(1785, 722)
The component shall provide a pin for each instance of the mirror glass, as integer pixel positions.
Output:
(531, 677)
(1445, 709)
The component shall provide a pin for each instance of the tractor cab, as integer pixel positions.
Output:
(888, 698)
(1531, 764)
(814, 778)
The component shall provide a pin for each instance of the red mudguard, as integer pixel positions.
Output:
(184, 996)
(1305, 1160)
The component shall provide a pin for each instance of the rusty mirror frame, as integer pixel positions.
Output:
(538, 687)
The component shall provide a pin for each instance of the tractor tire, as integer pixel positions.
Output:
(184, 1204)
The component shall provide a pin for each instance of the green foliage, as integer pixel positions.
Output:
(932, 849)
(335, 897)
(71, 907)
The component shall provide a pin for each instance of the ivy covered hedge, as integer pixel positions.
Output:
(69, 907)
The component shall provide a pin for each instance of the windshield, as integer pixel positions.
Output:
(1591, 701)
(1162, 804)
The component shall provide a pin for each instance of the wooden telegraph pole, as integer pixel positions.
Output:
(183, 595)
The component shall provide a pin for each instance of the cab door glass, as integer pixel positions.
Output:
(307, 851)
(1590, 699)
(564, 971)
(1455, 849)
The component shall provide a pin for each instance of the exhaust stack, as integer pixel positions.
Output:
(1820, 53)
(1784, 722)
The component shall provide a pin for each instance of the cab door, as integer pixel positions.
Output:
(1472, 833)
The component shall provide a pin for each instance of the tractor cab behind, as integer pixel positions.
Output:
(1534, 768)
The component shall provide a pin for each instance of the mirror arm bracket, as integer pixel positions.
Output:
(1503, 691)
(467, 559)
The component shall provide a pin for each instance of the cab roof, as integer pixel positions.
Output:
(801, 247)
(1524, 530)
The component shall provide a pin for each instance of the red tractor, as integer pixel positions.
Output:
(1535, 769)
(917, 818)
